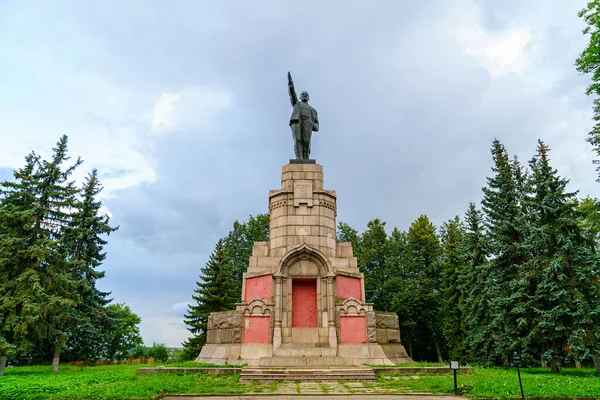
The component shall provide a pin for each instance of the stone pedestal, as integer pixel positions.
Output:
(303, 294)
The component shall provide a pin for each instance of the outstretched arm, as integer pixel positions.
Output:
(292, 91)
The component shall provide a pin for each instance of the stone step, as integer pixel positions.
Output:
(306, 374)
(304, 361)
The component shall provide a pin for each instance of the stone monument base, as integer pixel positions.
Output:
(255, 354)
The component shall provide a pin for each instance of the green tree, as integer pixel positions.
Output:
(475, 285)
(238, 246)
(16, 242)
(121, 333)
(372, 262)
(504, 223)
(561, 271)
(588, 62)
(214, 292)
(347, 234)
(424, 259)
(44, 293)
(453, 262)
(83, 239)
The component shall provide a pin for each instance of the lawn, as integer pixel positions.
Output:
(501, 383)
(110, 382)
(122, 382)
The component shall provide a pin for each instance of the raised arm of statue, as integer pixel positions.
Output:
(292, 91)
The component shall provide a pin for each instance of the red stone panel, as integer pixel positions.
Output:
(347, 286)
(256, 330)
(304, 303)
(353, 329)
(258, 287)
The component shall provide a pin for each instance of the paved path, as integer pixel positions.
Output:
(319, 397)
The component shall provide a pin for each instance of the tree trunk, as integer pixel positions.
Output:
(577, 364)
(556, 365)
(56, 357)
(544, 363)
(438, 351)
(410, 349)
(2, 364)
(596, 364)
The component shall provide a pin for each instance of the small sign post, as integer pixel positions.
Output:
(516, 360)
(455, 366)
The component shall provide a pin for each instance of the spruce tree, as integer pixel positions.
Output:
(16, 246)
(562, 270)
(475, 286)
(453, 263)
(44, 295)
(84, 244)
(214, 292)
(504, 223)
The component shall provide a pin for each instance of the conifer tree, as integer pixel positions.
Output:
(238, 246)
(44, 295)
(561, 271)
(504, 223)
(84, 243)
(214, 292)
(453, 263)
(16, 244)
(475, 286)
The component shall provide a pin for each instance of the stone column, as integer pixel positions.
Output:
(277, 327)
(330, 301)
(331, 313)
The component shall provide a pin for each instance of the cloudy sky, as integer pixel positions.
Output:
(183, 108)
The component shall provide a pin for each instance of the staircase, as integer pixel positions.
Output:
(250, 374)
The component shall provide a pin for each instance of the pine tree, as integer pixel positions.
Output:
(561, 272)
(84, 243)
(43, 294)
(453, 263)
(214, 292)
(16, 242)
(504, 223)
(475, 286)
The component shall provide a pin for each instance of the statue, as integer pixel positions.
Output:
(304, 121)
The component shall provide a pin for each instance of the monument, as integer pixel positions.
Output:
(303, 296)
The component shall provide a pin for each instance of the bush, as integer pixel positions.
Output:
(159, 352)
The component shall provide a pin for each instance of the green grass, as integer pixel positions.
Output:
(122, 382)
(500, 383)
(114, 381)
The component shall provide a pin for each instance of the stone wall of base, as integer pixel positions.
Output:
(374, 353)
(234, 354)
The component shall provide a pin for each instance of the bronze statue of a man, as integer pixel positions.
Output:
(304, 121)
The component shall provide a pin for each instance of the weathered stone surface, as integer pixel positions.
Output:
(371, 319)
(225, 320)
(386, 321)
(371, 335)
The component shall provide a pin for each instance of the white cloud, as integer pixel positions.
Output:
(192, 108)
(163, 111)
(500, 52)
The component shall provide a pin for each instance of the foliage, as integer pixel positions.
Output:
(214, 292)
(588, 62)
(50, 248)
